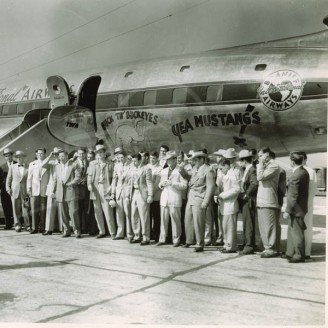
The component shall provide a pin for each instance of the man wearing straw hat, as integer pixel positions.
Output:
(99, 182)
(172, 185)
(201, 189)
(16, 188)
(5, 197)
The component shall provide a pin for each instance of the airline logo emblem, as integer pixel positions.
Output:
(281, 90)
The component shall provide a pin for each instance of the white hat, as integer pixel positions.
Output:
(230, 153)
(117, 150)
(57, 150)
(19, 153)
(7, 151)
(245, 153)
(219, 152)
(99, 147)
(171, 154)
(198, 154)
(190, 153)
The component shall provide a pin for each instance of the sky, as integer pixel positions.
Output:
(41, 38)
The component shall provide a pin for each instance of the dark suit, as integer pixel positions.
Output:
(5, 197)
(297, 207)
(83, 195)
(247, 201)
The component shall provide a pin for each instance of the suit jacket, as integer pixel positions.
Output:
(201, 185)
(172, 195)
(66, 182)
(94, 172)
(230, 190)
(282, 186)
(156, 176)
(250, 184)
(121, 180)
(17, 182)
(38, 178)
(82, 185)
(52, 180)
(144, 180)
(268, 177)
(298, 191)
(3, 175)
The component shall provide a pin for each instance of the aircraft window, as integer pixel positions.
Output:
(9, 110)
(196, 94)
(260, 67)
(150, 98)
(41, 104)
(23, 108)
(164, 97)
(315, 88)
(214, 93)
(240, 91)
(136, 99)
(180, 96)
(107, 101)
(123, 100)
(1, 110)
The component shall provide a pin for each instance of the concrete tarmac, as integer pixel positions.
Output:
(49, 279)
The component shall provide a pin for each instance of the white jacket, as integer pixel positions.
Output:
(229, 195)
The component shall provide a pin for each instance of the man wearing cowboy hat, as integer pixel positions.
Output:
(247, 201)
(99, 183)
(120, 191)
(16, 188)
(37, 181)
(51, 161)
(201, 189)
(172, 185)
(67, 175)
(5, 197)
(235, 169)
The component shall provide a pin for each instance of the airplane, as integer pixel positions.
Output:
(266, 94)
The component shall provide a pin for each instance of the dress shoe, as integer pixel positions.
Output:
(144, 243)
(47, 233)
(198, 249)
(267, 255)
(118, 238)
(221, 243)
(7, 228)
(28, 229)
(160, 243)
(18, 229)
(78, 236)
(208, 243)
(186, 245)
(292, 260)
(135, 241)
(308, 257)
(247, 251)
(285, 256)
(66, 235)
(176, 244)
(32, 232)
(101, 235)
(226, 251)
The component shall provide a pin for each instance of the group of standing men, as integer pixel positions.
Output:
(138, 196)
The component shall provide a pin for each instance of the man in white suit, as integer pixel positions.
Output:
(16, 188)
(99, 182)
(173, 186)
(142, 196)
(37, 181)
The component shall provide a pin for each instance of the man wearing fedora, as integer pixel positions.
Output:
(247, 201)
(67, 176)
(120, 191)
(172, 185)
(201, 189)
(141, 197)
(16, 188)
(267, 201)
(100, 175)
(37, 181)
(235, 169)
(5, 197)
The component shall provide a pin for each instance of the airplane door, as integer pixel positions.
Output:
(59, 92)
(87, 95)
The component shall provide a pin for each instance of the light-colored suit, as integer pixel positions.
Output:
(16, 183)
(100, 177)
(229, 210)
(142, 177)
(201, 190)
(171, 202)
(120, 188)
(66, 178)
(37, 181)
